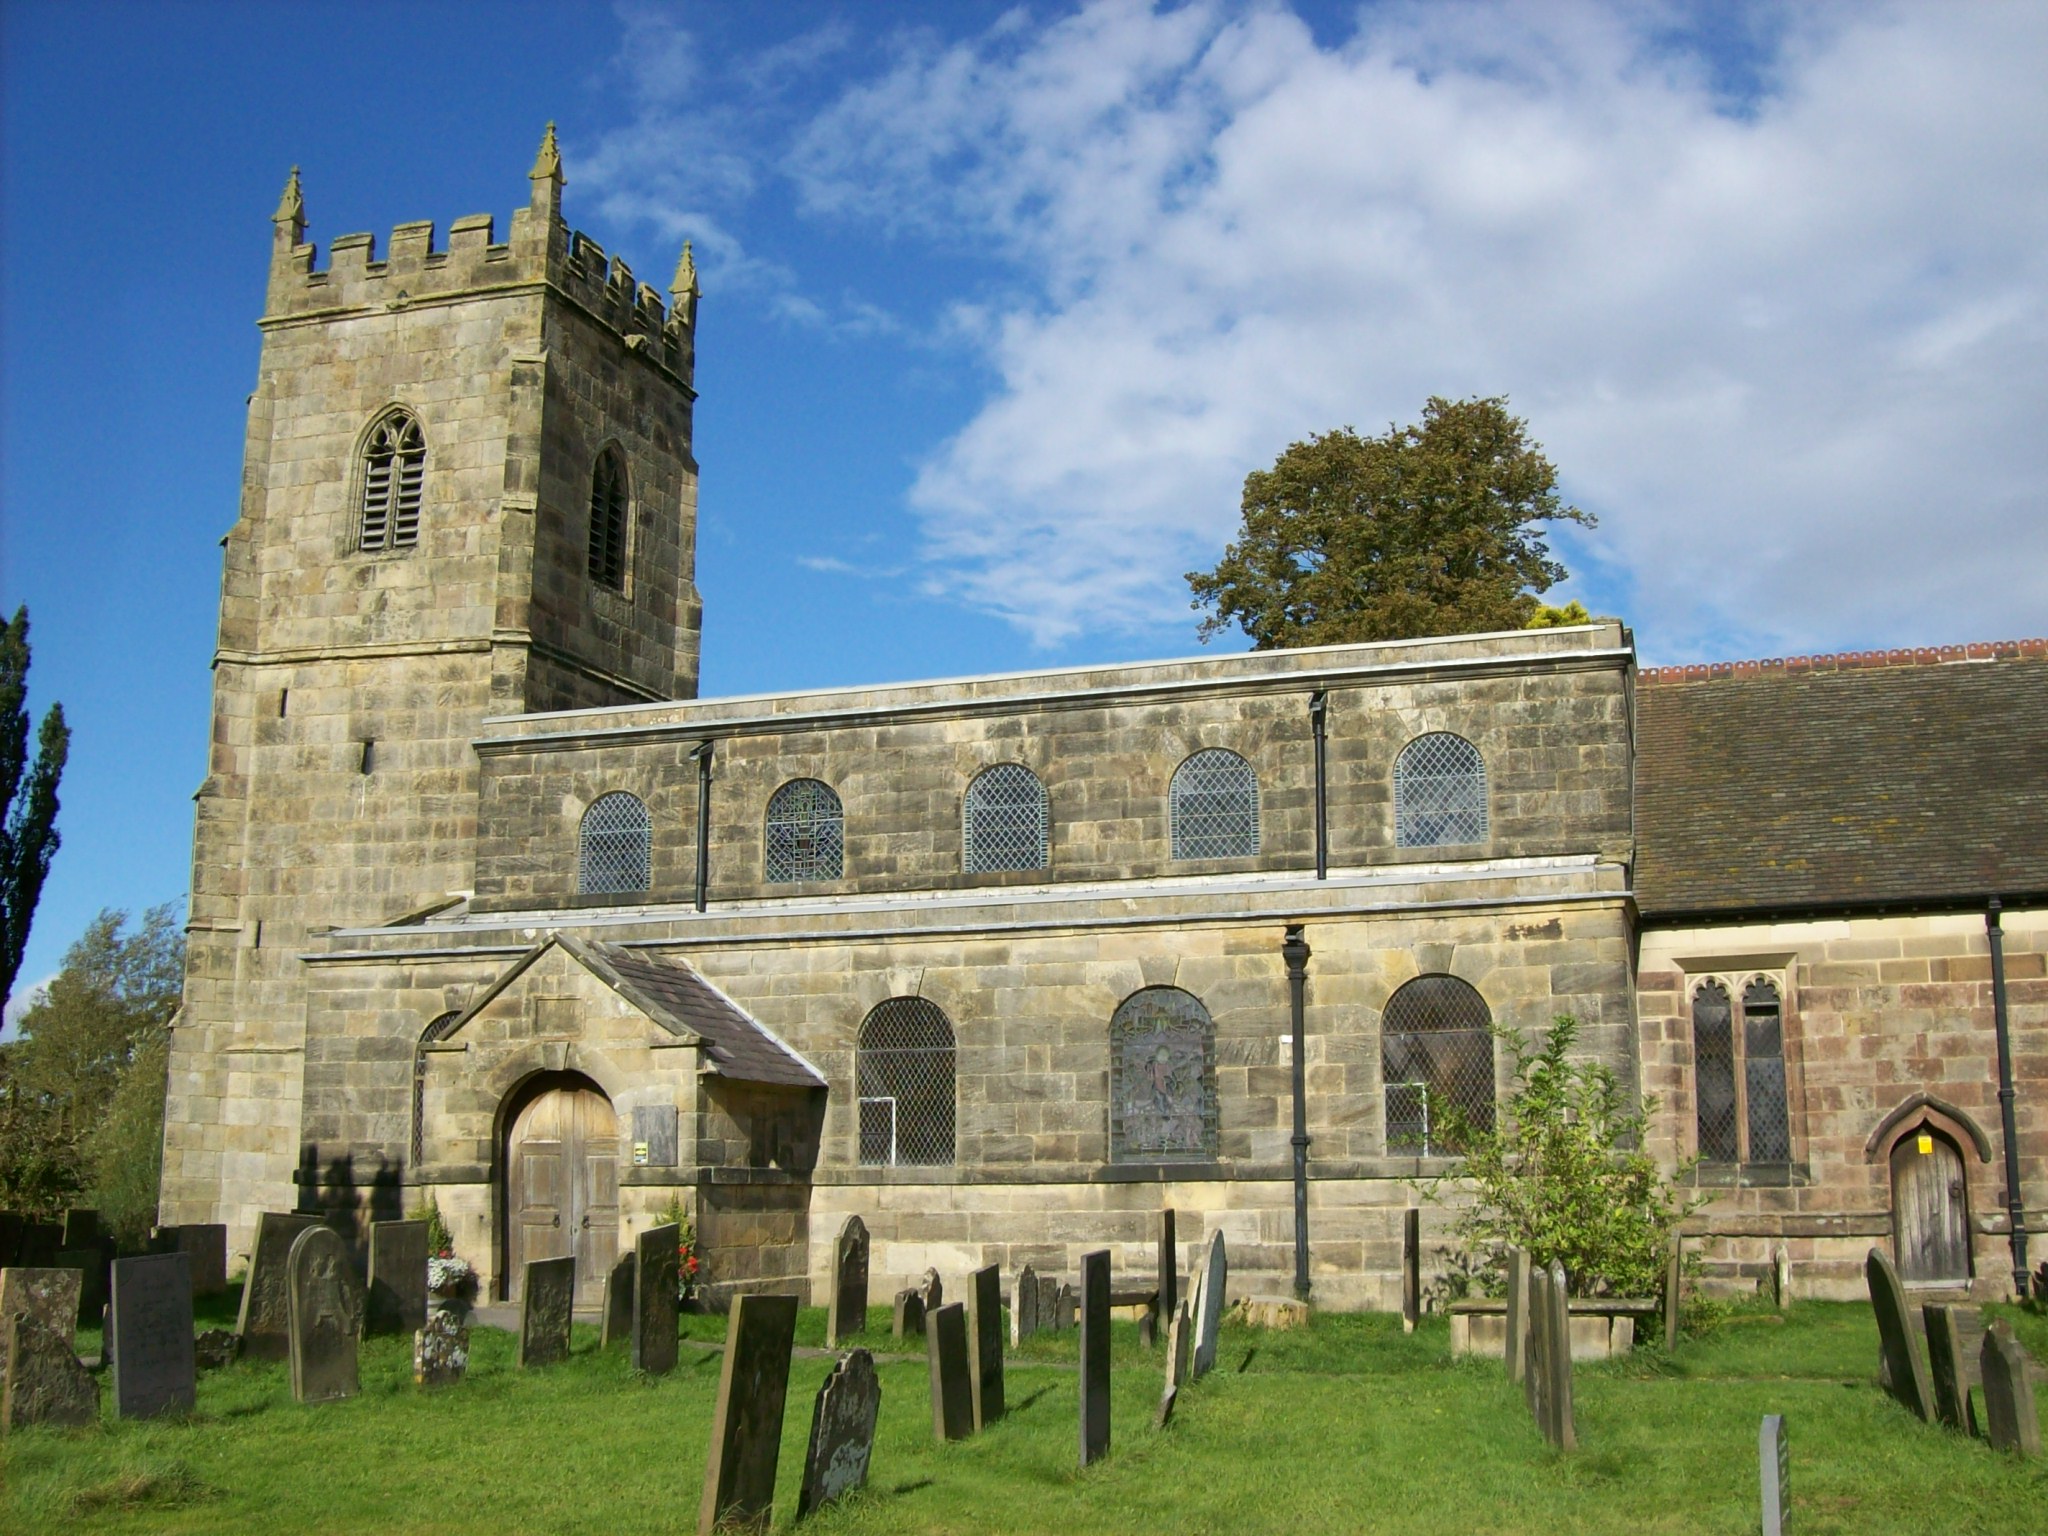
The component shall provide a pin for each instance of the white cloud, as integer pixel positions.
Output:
(19, 1001)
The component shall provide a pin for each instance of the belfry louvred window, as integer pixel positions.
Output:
(394, 478)
(608, 521)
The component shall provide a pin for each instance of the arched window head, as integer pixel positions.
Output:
(438, 1030)
(806, 833)
(1162, 1068)
(608, 520)
(1008, 821)
(614, 854)
(394, 477)
(1439, 792)
(903, 1078)
(1436, 1064)
(1214, 807)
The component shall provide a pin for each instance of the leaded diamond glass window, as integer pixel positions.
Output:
(1162, 1064)
(608, 520)
(1713, 1068)
(1439, 792)
(1214, 807)
(1436, 1063)
(903, 1078)
(1763, 1071)
(1008, 821)
(394, 478)
(438, 1030)
(615, 850)
(1738, 1052)
(806, 833)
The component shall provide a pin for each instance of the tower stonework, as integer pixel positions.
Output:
(370, 623)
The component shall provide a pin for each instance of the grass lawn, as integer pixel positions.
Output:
(1347, 1426)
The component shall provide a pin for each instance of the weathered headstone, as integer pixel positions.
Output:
(1169, 1267)
(842, 1432)
(1905, 1366)
(440, 1349)
(325, 1309)
(2010, 1420)
(1179, 1352)
(848, 1313)
(1781, 1278)
(952, 1376)
(46, 1382)
(48, 1295)
(547, 1301)
(91, 1264)
(1095, 1356)
(746, 1429)
(932, 1290)
(1550, 1357)
(81, 1229)
(265, 1322)
(1411, 1269)
(907, 1321)
(1024, 1307)
(216, 1347)
(657, 1273)
(1774, 1472)
(149, 1325)
(1518, 1313)
(1065, 1307)
(205, 1246)
(615, 1323)
(1215, 1283)
(985, 1343)
(1947, 1370)
(397, 1296)
(1674, 1281)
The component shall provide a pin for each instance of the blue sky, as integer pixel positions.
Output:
(1001, 303)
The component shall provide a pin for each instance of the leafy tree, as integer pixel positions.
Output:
(1432, 529)
(28, 797)
(1547, 617)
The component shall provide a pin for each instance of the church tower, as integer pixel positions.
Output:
(467, 490)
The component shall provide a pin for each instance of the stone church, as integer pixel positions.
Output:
(487, 905)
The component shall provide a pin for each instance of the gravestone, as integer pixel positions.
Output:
(1518, 1313)
(1674, 1295)
(933, 1290)
(46, 1382)
(41, 1241)
(848, 1314)
(50, 1296)
(985, 1344)
(265, 1320)
(1179, 1351)
(1169, 1266)
(397, 1298)
(1549, 1380)
(81, 1229)
(216, 1347)
(1095, 1355)
(12, 1224)
(1024, 1307)
(746, 1429)
(907, 1320)
(2010, 1421)
(842, 1432)
(1781, 1278)
(1774, 1473)
(952, 1376)
(324, 1307)
(1065, 1307)
(205, 1246)
(1905, 1366)
(91, 1264)
(1411, 1269)
(1215, 1283)
(149, 1326)
(440, 1349)
(615, 1323)
(1947, 1370)
(657, 1275)
(546, 1304)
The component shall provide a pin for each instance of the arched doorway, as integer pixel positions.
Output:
(561, 1172)
(1930, 1207)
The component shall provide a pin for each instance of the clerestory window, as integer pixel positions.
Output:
(806, 833)
(1008, 821)
(1439, 792)
(394, 480)
(615, 848)
(1213, 806)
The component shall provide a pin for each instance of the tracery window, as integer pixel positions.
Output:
(1162, 1065)
(1008, 821)
(438, 1030)
(615, 849)
(394, 478)
(1213, 806)
(806, 833)
(903, 1078)
(1436, 1055)
(1439, 792)
(608, 520)
(1739, 1073)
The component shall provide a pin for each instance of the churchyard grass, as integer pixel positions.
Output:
(1348, 1426)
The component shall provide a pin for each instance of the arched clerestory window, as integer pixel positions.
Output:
(1439, 792)
(394, 477)
(806, 834)
(1436, 1064)
(1008, 821)
(608, 520)
(614, 851)
(1162, 1068)
(903, 1079)
(438, 1030)
(1213, 806)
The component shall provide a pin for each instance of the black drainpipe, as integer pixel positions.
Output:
(1318, 710)
(1295, 952)
(2015, 1207)
(702, 753)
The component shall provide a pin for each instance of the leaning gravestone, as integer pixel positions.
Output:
(848, 1314)
(1095, 1355)
(1024, 1307)
(440, 1349)
(265, 1323)
(1774, 1473)
(397, 1299)
(1215, 1282)
(46, 1382)
(657, 1266)
(205, 1246)
(1411, 1269)
(933, 1290)
(1674, 1280)
(985, 1344)
(907, 1321)
(1518, 1313)
(746, 1430)
(842, 1432)
(1179, 1350)
(1947, 1369)
(325, 1307)
(548, 1301)
(149, 1327)
(952, 1376)
(1905, 1365)
(616, 1318)
(1549, 1381)
(2010, 1420)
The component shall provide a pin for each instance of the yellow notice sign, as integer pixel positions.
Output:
(1925, 1143)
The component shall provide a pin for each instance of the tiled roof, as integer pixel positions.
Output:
(1878, 778)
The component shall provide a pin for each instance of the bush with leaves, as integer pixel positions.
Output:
(688, 1266)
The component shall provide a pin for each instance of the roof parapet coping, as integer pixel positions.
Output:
(1852, 661)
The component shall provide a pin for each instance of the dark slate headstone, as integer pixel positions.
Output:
(1411, 1269)
(91, 1264)
(907, 1320)
(547, 1301)
(205, 1246)
(985, 1344)
(1179, 1352)
(81, 1229)
(952, 1376)
(397, 1300)
(265, 1321)
(1774, 1473)
(933, 1290)
(325, 1307)
(2010, 1420)
(842, 1432)
(657, 1271)
(1905, 1366)
(746, 1430)
(1209, 1320)
(1948, 1371)
(1095, 1355)
(149, 1325)
(1674, 1281)
(1024, 1307)
(41, 1241)
(46, 1382)
(440, 1349)
(615, 1324)
(1169, 1266)
(12, 1224)
(1518, 1313)
(848, 1313)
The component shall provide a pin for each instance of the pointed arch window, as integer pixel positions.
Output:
(438, 1030)
(608, 520)
(806, 833)
(1439, 792)
(394, 480)
(1008, 821)
(1436, 1057)
(615, 848)
(1214, 807)
(1162, 1066)
(903, 1078)
(1738, 1054)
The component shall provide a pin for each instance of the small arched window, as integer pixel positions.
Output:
(394, 478)
(903, 1078)
(1436, 1055)
(806, 833)
(1214, 807)
(1439, 792)
(438, 1030)
(1008, 821)
(614, 854)
(1162, 1067)
(608, 520)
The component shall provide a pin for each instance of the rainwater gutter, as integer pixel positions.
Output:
(2015, 1207)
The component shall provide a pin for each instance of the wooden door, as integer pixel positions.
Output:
(562, 1186)
(1930, 1208)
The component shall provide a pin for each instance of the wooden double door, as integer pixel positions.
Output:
(1930, 1207)
(562, 1183)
